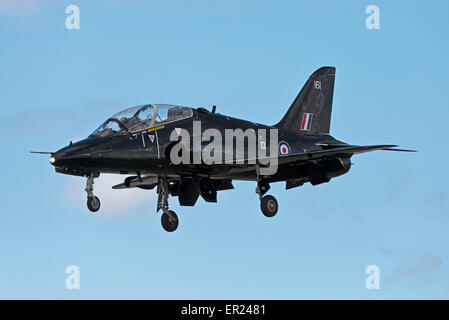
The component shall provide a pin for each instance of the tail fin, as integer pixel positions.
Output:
(310, 113)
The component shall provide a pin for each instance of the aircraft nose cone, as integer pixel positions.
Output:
(57, 157)
(69, 155)
(52, 160)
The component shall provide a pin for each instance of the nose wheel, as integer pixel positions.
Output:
(93, 203)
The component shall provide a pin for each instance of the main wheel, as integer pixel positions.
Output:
(93, 203)
(169, 222)
(269, 206)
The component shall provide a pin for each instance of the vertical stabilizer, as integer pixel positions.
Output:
(310, 113)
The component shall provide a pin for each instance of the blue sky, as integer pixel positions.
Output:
(250, 58)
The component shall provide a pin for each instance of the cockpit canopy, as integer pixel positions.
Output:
(140, 118)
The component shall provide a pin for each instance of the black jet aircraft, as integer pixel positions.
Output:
(137, 142)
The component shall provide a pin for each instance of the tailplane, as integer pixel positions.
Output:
(310, 113)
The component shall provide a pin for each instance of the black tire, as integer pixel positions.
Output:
(169, 224)
(93, 203)
(269, 206)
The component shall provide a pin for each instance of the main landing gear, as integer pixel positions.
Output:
(169, 219)
(268, 204)
(93, 203)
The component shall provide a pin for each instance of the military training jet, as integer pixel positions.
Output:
(187, 152)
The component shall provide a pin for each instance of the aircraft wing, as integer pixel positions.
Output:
(343, 150)
(332, 150)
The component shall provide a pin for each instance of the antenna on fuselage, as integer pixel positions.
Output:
(214, 108)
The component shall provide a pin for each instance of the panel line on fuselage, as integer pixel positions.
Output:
(157, 142)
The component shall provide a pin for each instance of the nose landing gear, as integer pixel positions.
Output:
(169, 219)
(93, 203)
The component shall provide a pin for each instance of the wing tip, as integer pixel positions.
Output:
(402, 150)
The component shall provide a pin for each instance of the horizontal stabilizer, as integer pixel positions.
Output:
(403, 150)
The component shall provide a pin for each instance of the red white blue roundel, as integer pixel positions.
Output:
(284, 148)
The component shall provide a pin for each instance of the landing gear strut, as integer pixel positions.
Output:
(93, 203)
(169, 219)
(268, 204)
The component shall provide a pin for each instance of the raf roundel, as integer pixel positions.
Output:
(284, 148)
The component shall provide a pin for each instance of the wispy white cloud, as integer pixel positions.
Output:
(414, 270)
(422, 269)
(113, 202)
